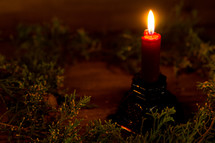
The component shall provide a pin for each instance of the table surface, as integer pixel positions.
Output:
(107, 85)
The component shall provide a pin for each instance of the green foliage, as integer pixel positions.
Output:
(98, 132)
(66, 126)
(55, 43)
(183, 46)
(206, 55)
(161, 122)
(18, 76)
(182, 41)
(30, 94)
(45, 42)
(83, 46)
(125, 50)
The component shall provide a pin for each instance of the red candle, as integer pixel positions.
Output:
(150, 52)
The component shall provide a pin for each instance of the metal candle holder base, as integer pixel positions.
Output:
(142, 98)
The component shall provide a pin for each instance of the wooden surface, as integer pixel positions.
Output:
(106, 86)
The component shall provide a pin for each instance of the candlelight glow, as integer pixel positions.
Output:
(151, 22)
(127, 129)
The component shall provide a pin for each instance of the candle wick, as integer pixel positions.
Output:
(151, 32)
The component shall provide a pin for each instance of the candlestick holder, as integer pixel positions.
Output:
(142, 98)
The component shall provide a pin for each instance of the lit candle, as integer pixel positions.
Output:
(151, 52)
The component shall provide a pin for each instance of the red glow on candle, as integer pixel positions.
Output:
(151, 52)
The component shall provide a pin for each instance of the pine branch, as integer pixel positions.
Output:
(207, 131)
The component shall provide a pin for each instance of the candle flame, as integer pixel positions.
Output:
(151, 22)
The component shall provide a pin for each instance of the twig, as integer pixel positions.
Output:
(204, 135)
(25, 129)
(8, 125)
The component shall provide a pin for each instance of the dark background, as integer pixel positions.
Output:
(100, 15)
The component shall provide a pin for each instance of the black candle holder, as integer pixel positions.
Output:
(142, 98)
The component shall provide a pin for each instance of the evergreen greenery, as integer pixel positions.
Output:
(36, 108)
